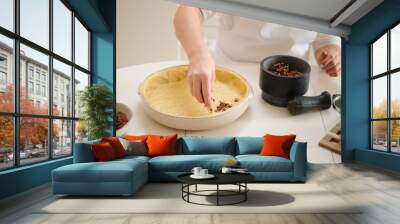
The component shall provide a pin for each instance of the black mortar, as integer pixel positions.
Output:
(279, 90)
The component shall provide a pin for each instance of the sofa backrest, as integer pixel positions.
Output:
(206, 145)
(83, 152)
(249, 145)
(190, 145)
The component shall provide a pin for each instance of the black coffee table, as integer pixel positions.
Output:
(238, 179)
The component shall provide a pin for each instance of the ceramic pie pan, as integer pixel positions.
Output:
(166, 98)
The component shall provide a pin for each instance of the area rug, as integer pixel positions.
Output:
(166, 198)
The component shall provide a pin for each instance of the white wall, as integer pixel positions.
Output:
(145, 32)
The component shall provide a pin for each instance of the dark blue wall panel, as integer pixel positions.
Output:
(91, 14)
(24, 178)
(355, 124)
(103, 68)
(376, 158)
(355, 85)
(103, 52)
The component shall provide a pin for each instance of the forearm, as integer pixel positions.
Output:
(188, 25)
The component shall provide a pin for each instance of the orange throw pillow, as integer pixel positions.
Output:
(277, 145)
(161, 145)
(116, 145)
(103, 152)
(136, 138)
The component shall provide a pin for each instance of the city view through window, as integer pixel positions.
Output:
(39, 114)
(385, 92)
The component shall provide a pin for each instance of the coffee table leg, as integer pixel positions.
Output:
(245, 193)
(217, 194)
(188, 189)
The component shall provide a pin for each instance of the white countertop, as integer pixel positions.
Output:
(259, 119)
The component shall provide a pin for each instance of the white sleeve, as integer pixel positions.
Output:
(325, 39)
(207, 14)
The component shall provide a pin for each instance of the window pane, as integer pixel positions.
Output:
(62, 89)
(81, 131)
(379, 56)
(81, 81)
(395, 47)
(81, 45)
(34, 97)
(379, 97)
(6, 74)
(395, 135)
(395, 94)
(7, 14)
(35, 21)
(62, 29)
(6, 142)
(62, 137)
(379, 135)
(33, 139)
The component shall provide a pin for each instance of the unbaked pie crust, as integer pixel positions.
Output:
(167, 91)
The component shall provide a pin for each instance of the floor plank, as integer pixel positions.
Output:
(377, 189)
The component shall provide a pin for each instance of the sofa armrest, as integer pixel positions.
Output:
(83, 152)
(298, 155)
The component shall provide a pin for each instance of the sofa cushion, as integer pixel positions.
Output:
(208, 145)
(133, 158)
(185, 163)
(134, 147)
(136, 137)
(161, 145)
(103, 152)
(277, 145)
(257, 163)
(249, 145)
(112, 171)
(116, 145)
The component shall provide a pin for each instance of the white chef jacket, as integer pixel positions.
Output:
(243, 39)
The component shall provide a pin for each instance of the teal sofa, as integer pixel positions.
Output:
(125, 176)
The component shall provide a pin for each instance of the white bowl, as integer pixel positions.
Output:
(124, 109)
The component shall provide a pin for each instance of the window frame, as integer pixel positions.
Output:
(16, 114)
(388, 74)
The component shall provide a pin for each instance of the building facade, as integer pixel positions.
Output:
(34, 80)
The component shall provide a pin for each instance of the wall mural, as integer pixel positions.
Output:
(196, 72)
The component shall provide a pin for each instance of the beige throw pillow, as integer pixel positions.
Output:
(137, 148)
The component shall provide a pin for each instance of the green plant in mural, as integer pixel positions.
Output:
(96, 102)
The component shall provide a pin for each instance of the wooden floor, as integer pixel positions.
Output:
(379, 189)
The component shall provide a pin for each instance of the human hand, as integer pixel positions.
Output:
(201, 76)
(329, 59)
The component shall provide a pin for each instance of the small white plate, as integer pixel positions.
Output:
(208, 176)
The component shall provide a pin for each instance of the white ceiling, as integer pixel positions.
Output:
(321, 9)
(316, 15)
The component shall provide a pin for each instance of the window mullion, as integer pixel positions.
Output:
(16, 70)
(50, 81)
(73, 82)
(389, 103)
(371, 89)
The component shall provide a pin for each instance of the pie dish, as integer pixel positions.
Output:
(167, 99)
